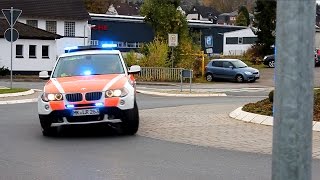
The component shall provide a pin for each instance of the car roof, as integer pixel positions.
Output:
(90, 52)
(225, 60)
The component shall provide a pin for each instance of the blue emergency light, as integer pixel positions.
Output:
(104, 46)
(70, 106)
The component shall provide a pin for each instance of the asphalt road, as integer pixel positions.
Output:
(99, 153)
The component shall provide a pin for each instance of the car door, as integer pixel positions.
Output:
(217, 69)
(227, 70)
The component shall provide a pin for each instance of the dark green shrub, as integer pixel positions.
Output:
(271, 94)
(4, 71)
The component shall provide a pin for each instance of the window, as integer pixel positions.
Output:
(45, 51)
(249, 40)
(32, 51)
(19, 51)
(240, 40)
(83, 65)
(217, 63)
(69, 29)
(51, 26)
(232, 40)
(227, 64)
(33, 23)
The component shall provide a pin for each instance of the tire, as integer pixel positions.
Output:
(271, 64)
(209, 77)
(47, 130)
(239, 78)
(130, 121)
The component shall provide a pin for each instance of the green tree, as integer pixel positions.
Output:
(164, 17)
(241, 20)
(245, 12)
(265, 22)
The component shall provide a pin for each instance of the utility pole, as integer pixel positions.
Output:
(293, 112)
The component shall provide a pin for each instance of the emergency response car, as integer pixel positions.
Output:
(89, 85)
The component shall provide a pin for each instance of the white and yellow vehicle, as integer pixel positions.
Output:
(89, 85)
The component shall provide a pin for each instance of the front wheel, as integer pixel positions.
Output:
(239, 78)
(271, 64)
(130, 121)
(47, 130)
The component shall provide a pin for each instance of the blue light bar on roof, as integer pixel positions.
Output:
(109, 45)
(70, 48)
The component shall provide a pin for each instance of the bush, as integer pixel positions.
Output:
(271, 94)
(156, 54)
(131, 58)
(253, 55)
(4, 71)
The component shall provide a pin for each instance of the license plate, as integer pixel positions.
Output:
(86, 112)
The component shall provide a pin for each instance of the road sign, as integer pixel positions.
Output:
(15, 35)
(15, 15)
(173, 40)
(11, 34)
(209, 41)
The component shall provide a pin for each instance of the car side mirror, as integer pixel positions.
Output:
(135, 69)
(231, 67)
(44, 75)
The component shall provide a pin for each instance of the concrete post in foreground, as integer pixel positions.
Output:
(292, 133)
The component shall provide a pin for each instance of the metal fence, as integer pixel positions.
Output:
(160, 74)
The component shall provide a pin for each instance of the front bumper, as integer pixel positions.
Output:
(252, 77)
(65, 117)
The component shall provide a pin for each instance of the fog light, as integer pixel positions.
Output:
(122, 102)
(46, 107)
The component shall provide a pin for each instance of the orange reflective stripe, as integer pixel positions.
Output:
(119, 84)
(111, 102)
(57, 105)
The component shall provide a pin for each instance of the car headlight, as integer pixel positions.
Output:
(265, 58)
(116, 93)
(248, 73)
(52, 97)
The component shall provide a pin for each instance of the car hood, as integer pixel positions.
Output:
(85, 83)
(250, 69)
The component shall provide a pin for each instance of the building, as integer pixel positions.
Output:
(68, 18)
(238, 42)
(34, 51)
(124, 8)
(203, 13)
(130, 32)
(231, 18)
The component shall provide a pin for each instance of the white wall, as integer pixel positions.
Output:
(317, 39)
(81, 30)
(26, 63)
(195, 16)
(237, 49)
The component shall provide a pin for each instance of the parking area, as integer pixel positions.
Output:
(267, 77)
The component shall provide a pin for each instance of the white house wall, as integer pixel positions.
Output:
(237, 49)
(26, 63)
(81, 30)
(317, 39)
(195, 17)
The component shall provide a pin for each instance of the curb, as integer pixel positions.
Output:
(31, 91)
(181, 95)
(19, 101)
(241, 115)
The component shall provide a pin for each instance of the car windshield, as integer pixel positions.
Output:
(239, 64)
(83, 65)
